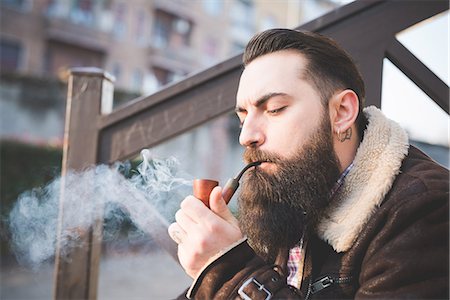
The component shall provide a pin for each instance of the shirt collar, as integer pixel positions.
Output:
(340, 181)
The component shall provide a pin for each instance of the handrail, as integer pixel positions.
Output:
(365, 28)
(210, 93)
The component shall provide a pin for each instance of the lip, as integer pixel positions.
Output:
(261, 162)
(267, 166)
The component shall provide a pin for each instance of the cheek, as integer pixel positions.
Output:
(286, 140)
(296, 140)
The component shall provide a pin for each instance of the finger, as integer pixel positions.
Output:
(219, 206)
(195, 209)
(184, 221)
(216, 202)
(176, 233)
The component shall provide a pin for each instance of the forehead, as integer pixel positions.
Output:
(280, 71)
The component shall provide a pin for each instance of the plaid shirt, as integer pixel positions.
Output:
(296, 254)
(295, 258)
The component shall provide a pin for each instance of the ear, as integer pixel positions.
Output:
(343, 108)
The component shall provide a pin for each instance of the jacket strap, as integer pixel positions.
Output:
(263, 285)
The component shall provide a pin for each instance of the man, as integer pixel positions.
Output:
(341, 207)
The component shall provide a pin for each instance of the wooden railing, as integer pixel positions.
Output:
(95, 134)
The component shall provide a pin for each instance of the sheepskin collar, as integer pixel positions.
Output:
(376, 164)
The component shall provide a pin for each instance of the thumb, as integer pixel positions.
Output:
(219, 207)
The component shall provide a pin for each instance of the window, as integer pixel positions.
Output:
(82, 12)
(56, 9)
(140, 25)
(161, 30)
(268, 22)
(213, 7)
(181, 32)
(137, 80)
(10, 53)
(242, 20)
(163, 76)
(170, 30)
(18, 4)
(149, 83)
(117, 71)
(119, 29)
(175, 76)
(236, 47)
(242, 13)
(210, 50)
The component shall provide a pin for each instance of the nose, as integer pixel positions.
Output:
(252, 133)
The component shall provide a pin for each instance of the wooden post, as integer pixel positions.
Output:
(90, 94)
(91, 137)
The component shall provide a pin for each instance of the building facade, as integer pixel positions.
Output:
(145, 44)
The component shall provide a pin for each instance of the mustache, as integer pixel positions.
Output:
(254, 155)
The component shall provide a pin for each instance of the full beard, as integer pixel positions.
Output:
(276, 209)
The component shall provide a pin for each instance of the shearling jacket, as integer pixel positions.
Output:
(386, 234)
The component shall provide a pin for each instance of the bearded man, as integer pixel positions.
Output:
(341, 205)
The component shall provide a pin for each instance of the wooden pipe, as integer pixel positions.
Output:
(202, 188)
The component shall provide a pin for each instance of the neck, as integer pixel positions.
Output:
(346, 150)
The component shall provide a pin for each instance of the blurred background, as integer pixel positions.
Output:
(146, 45)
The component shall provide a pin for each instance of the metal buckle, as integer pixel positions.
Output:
(260, 288)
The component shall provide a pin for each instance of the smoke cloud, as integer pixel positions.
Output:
(119, 192)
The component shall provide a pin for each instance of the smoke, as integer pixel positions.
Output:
(118, 194)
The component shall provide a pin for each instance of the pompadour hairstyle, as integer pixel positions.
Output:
(329, 68)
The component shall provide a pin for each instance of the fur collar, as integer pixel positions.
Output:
(376, 164)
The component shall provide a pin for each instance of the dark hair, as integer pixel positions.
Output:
(329, 67)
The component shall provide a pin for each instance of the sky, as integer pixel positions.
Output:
(424, 120)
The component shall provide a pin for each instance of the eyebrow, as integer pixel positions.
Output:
(261, 100)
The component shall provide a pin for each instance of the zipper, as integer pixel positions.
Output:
(327, 281)
(308, 293)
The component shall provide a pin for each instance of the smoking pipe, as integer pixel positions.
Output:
(203, 187)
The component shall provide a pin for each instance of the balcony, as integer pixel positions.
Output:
(61, 30)
(179, 59)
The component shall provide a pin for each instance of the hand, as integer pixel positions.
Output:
(201, 233)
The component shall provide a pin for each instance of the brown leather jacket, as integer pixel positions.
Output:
(387, 236)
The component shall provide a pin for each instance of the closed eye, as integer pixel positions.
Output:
(276, 111)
